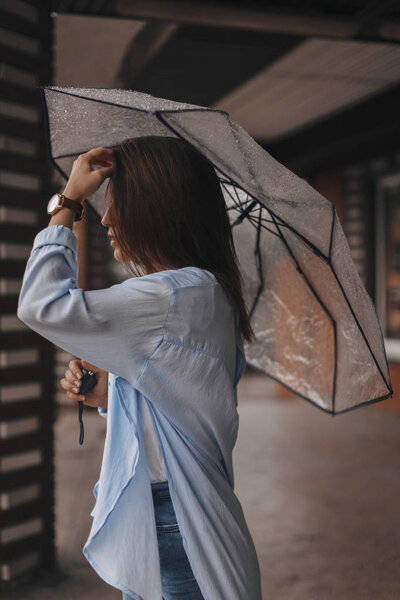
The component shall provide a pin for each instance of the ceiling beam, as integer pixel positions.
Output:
(143, 47)
(359, 133)
(230, 15)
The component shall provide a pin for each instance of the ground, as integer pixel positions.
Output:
(320, 495)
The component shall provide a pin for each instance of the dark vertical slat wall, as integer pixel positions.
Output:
(27, 360)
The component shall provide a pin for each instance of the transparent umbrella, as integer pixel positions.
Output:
(317, 331)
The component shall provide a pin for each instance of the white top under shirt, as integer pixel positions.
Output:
(155, 459)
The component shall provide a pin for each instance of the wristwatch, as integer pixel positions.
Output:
(57, 201)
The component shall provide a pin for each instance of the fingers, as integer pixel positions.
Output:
(69, 375)
(75, 368)
(71, 389)
(97, 156)
(104, 164)
(105, 172)
(101, 150)
(72, 380)
(100, 161)
(100, 154)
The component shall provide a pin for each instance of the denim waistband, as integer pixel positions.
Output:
(159, 485)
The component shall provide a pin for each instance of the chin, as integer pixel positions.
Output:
(117, 254)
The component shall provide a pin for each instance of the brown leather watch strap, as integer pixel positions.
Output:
(75, 205)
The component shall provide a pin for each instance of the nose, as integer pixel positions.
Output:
(104, 220)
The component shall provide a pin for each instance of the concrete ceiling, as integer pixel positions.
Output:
(271, 76)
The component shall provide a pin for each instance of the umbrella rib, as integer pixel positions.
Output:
(332, 226)
(157, 112)
(250, 216)
(251, 219)
(307, 242)
(257, 252)
(255, 201)
(245, 213)
(325, 410)
(284, 224)
(228, 192)
(237, 195)
(238, 204)
(388, 384)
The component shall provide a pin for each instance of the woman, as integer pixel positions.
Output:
(166, 345)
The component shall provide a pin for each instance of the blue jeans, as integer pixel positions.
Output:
(177, 579)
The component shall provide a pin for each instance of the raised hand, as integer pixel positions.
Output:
(97, 396)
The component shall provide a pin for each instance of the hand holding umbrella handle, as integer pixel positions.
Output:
(88, 381)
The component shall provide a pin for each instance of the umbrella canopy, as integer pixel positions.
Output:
(316, 327)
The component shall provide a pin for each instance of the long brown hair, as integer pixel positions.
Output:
(167, 208)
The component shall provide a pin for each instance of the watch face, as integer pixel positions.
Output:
(53, 203)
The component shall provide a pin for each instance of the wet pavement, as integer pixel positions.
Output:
(321, 496)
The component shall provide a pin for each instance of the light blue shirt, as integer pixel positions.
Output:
(168, 339)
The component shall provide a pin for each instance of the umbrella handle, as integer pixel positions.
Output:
(88, 381)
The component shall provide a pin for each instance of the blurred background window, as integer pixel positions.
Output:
(388, 259)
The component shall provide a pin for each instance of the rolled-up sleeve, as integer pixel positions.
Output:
(115, 328)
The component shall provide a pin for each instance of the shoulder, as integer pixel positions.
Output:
(185, 277)
(166, 283)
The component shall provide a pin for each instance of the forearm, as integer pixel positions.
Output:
(65, 216)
